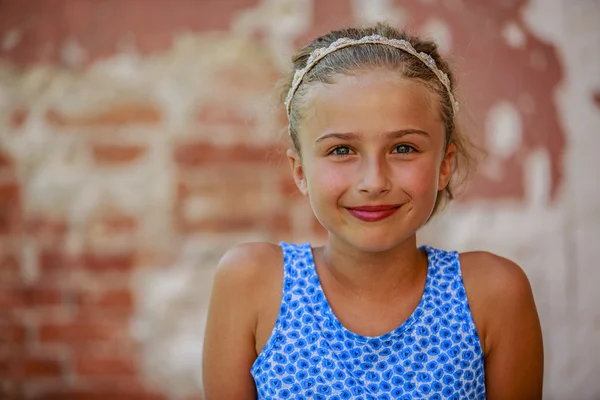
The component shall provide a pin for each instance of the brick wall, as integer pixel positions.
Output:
(139, 140)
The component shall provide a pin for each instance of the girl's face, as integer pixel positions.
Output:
(373, 158)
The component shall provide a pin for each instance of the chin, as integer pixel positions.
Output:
(375, 242)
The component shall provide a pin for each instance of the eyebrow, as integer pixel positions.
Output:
(355, 136)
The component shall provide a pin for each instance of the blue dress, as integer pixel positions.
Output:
(435, 354)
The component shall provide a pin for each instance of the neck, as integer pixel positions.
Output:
(373, 275)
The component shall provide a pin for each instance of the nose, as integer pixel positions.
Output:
(375, 177)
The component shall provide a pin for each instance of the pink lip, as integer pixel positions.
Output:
(373, 213)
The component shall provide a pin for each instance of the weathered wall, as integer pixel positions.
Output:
(139, 140)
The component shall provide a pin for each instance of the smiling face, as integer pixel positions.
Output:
(373, 158)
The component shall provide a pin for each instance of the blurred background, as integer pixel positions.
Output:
(141, 139)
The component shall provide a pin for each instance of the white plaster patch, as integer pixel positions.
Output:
(197, 207)
(440, 32)
(72, 54)
(372, 11)
(513, 35)
(503, 129)
(5, 100)
(537, 178)
(29, 261)
(492, 169)
(170, 320)
(11, 39)
(123, 67)
(280, 21)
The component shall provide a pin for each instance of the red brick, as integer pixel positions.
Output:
(111, 154)
(279, 225)
(90, 365)
(237, 202)
(218, 225)
(47, 224)
(118, 317)
(222, 113)
(5, 160)
(96, 261)
(39, 296)
(205, 154)
(5, 369)
(35, 367)
(107, 299)
(12, 333)
(289, 189)
(119, 347)
(327, 15)
(18, 117)
(596, 98)
(10, 208)
(78, 332)
(10, 193)
(10, 269)
(152, 25)
(10, 299)
(21, 297)
(9, 261)
(99, 394)
(50, 232)
(116, 115)
(276, 224)
(119, 223)
(53, 260)
(11, 389)
(93, 307)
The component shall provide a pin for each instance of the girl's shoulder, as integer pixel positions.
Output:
(497, 289)
(245, 267)
(251, 255)
(492, 276)
(250, 277)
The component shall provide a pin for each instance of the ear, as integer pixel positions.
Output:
(297, 171)
(446, 167)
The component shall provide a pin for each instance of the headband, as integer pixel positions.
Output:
(318, 54)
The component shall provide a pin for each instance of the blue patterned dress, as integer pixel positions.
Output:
(435, 354)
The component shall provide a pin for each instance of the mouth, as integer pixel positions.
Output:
(373, 213)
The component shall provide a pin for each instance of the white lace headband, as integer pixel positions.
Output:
(318, 54)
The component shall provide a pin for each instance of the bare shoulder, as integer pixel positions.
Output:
(248, 262)
(245, 276)
(508, 325)
(244, 279)
(251, 276)
(497, 289)
(492, 274)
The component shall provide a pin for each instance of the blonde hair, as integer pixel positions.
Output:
(352, 59)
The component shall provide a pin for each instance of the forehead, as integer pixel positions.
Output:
(370, 103)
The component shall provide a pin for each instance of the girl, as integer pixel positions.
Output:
(370, 315)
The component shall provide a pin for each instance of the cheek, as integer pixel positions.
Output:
(418, 179)
(325, 179)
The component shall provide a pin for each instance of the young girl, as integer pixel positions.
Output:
(370, 315)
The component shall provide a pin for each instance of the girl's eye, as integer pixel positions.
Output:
(404, 149)
(341, 151)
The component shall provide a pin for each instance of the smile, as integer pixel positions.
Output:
(373, 213)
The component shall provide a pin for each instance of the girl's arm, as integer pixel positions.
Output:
(504, 310)
(229, 349)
